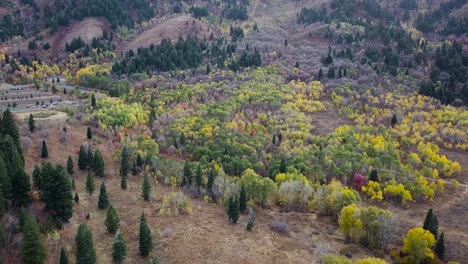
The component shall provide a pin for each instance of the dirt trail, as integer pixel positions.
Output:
(327, 121)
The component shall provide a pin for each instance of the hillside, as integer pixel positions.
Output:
(222, 131)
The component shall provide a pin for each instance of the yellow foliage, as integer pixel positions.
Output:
(373, 190)
(371, 261)
(418, 243)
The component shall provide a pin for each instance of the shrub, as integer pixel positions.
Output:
(371, 261)
(279, 227)
(294, 195)
(335, 259)
(175, 203)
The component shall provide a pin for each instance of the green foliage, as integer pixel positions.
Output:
(124, 159)
(37, 181)
(103, 202)
(250, 222)
(90, 185)
(145, 238)
(70, 165)
(119, 249)
(431, 223)
(33, 250)
(259, 189)
(330, 199)
(374, 176)
(112, 221)
(93, 101)
(199, 176)
(77, 198)
(98, 164)
(82, 158)
(56, 192)
(146, 188)
(187, 178)
(440, 247)
(335, 259)
(31, 123)
(243, 199)
(85, 252)
(211, 179)
(63, 257)
(20, 187)
(113, 112)
(89, 134)
(44, 151)
(232, 209)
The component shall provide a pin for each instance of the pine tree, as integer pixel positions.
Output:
(73, 184)
(89, 134)
(199, 176)
(232, 209)
(82, 158)
(123, 182)
(44, 152)
(182, 139)
(211, 178)
(63, 257)
(431, 223)
(93, 101)
(139, 160)
(9, 127)
(20, 188)
(374, 176)
(112, 221)
(85, 252)
(243, 199)
(70, 165)
(394, 120)
(37, 181)
(320, 75)
(31, 122)
(124, 165)
(98, 164)
(57, 194)
(77, 198)
(187, 180)
(146, 188)
(282, 168)
(119, 249)
(146, 241)
(134, 168)
(103, 202)
(90, 187)
(89, 158)
(440, 247)
(33, 250)
(251, 221)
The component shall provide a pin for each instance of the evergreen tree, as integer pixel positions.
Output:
(103, 202)
(90, 187)
(146, 241)
(70, 165)
(37, 181)
(77, 198)
(20, 188)
(5, 179)
(123, 182)
(440, 247)
(199, 176)
(374, 176)
(182, 139)
(119, 249)
(124, 165)
(146, 188)
(82, 158)
(31, 122)
(187, 180)
(8, 127)
(211, 178)
(44, 152)
(139, 160)
(135, 168)
(33, 250)
(63, 257)
(89, 158)
(112, 221)
(282, 168)
(243, 199)
(89, 134)
(57, 194)
(320, 75)
(85, 252)
(394, 120)
(73, 184)
(93, 101)
(98, 164)
(233, 209)
(431, 223)
(251, 221)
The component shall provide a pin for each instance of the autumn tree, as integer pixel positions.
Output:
(350, 222)
(85, 252)
(103, 202)
(417, 244)
(112, 221)
(146, 241)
